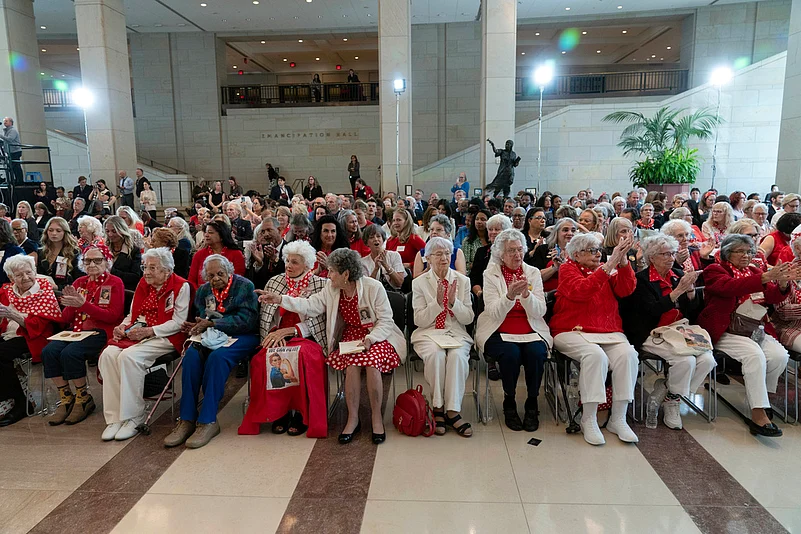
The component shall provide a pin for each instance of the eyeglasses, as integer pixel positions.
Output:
(744, 252)
(539, 217)
(752, 236)
(517, 216)
(593, 250)
(666, 254)
(96, 261)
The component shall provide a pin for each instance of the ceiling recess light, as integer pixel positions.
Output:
(319, 16)
(202, 5)
(625, 31)
(597, 51)
(620, 7)
(295, 17)
(344, 16)
(661, 59)
(564, 52)
(369, 15)
(653, 55)
(583, 33)
(255, 2)
(44, 49)
(42, 73)
(78, 49)
(669, 47)
(43, 27)
(225, 20)
(522, 53)
(285, 59)
(537, 34)
(317, 59)
(356, 57)
(264, 42)
(300, 40)
(567, 9)
(308, 1)
(233, 67)
(345, 39)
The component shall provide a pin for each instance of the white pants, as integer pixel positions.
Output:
(123, 372)
(687, 373)
(596, 360)
(446, 372)
(762, 365)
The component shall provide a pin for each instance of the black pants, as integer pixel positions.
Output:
(16, 168)
(10, 387)
(510, 356)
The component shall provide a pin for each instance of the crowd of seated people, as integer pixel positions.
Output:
(314, 272)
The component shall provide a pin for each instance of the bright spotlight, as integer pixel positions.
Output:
(721, 76)
(399, 85)
(83, 97)
(543, 75)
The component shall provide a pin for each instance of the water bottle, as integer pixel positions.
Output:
(573, 391)
(758, 335)
(654, 402)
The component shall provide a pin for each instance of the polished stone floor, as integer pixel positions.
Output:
(705, 478)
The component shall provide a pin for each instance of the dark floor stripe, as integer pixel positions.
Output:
(331, 494)
(103, 500)
(713, 498)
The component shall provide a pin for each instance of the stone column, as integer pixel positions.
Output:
(106, 74)
(20, 85)
(394, 61)
(788, 168)
(497, 101)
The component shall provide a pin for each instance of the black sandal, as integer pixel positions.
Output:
(461, 429)
(280, 425)
(439, 422)
(296, 427)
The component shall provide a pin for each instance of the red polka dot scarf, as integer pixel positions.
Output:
(439, 323)
(42, 304)
(511, 276)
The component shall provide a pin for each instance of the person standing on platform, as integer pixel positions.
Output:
(10, 135)
(126, 187)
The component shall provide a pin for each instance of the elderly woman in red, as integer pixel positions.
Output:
(732, 288)
(587, 327)
(28, 309)
(93, 303)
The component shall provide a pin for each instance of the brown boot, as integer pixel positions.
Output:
(82, 409)
(64, 408)
(203, 435)
(180, 434)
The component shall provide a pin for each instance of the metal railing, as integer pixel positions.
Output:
(326, 94)
(55, 99)
(654, 82)
(168, 190)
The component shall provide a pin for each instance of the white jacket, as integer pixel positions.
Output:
(372, 296)
(426, 307)
(497, 306)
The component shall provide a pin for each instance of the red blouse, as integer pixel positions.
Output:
(234, 256)
(407, 250)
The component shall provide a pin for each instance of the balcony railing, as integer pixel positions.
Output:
(327, 94)
(54, 99)
(651, 82)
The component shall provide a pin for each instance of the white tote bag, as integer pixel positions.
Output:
(680, 338)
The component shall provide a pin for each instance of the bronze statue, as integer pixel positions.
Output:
(506, 169)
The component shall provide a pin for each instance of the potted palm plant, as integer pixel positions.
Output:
(668, 164)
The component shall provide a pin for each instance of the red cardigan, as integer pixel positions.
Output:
(721, 292)
(101, 317)
(234, 256)
(590, 303)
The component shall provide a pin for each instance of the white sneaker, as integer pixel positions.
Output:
(672, 413)
(623, 430)
(592, 433)
(111, 431)
(127, 431)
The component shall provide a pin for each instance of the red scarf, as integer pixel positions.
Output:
(666, 285)
(512, 276)
(221, 296)
(644, 226)
(296, 287)
(738, 273)
(439, 323)
(42, 304)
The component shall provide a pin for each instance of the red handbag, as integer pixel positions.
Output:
(412, 414)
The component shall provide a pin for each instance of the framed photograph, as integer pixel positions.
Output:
(409, 191)
(532, 190)
(477, 192)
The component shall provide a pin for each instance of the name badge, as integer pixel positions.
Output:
(366, 317)
(169, 303)
(61, 267)
(105, 296)
(401, 248)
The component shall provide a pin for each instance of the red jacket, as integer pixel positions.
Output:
(234, 256)
(166, 306)
(100, 316)
(590, 302)
(722, 292)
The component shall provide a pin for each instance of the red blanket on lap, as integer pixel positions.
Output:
(308, 397)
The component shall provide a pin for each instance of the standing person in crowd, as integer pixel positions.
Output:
(316, 87)
(534, 231)
(41, 216)
(353, 170)
(58, 257)
(141, 179)
(362, 190)
(774, 244)
(126, 187)
(585, 287)
(82, 190)
(404, 241)
(737, 201)
(357, 310)
(126, 258)
(328, 236)
(272, 174)
(10, 136)
(720, 218)
(514, 304)
(200, 194)
(728, 285)
(20, 229)
(461, 185)
(312, 189)
(551, 255)
(95, 303)
(442, 305)
(217, 240)
(774, 202)
(281, 192)
(147, 198)
(354, 88)
(383, 265)
(217, 197)
(25, 213)
(263, 254)
(235, 188)
(790, 204)
(61, 205)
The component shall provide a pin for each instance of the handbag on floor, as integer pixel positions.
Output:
(412, 414)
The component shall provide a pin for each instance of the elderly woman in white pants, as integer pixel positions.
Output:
(729, 285)
(152, 329)
(442, 306)
(587, 327)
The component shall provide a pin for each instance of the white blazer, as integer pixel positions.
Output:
(372, 296)
(426, 307)
(497, 306)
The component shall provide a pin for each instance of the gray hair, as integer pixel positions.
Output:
(21, 221)
(345, 213)
(552, 238)
(674, 225)
(184, 233)
(616, 200)
(499, 220)
(760, 206)
(581, 242)
(302, 249)
(506, 236)
(264, 220)
(444, 221)
(739, 227)
(652, 245)
(680, 213)
(372, 230)
(345, 260)
(15, 262)
(225, 262)
(439, 243)
(162, 254)
(732, 241)
(93, 224)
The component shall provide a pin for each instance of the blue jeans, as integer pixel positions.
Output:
(510, 356)
(67, 359)
(211, 374)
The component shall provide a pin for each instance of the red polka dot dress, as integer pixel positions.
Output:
(381, 355)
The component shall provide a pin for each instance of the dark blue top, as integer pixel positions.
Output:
(9, 250)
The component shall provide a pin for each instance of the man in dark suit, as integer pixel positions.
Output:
(281, 191)
(420, 205)
(82, 190)
(78, 211)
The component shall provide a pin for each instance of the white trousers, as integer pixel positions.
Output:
(687, 373)
(123, 372)
(446, 372)
(762, 365)
(596, 360)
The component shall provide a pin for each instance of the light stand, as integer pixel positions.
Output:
(399, 86)
(542, 77)
(718, 78)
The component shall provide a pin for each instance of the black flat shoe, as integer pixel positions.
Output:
(769, 413)
(512, 420)
(280, 425)
(769, 431)
(296, 427)
(378, 439)
(531, 420)
(242, 369)
(344, 439)
(16, 414)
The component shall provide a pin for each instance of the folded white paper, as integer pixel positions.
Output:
(71, 336)
(521, 338)
(600, 339)
(445, 341)
(351, 347)
(752, 310)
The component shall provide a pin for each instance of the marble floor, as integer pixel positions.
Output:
(706, 478)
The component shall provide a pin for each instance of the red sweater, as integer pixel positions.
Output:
(100, 316)
(589, 302)
(234, 256)
(407, 250)
(722, 291)
(780, 242)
